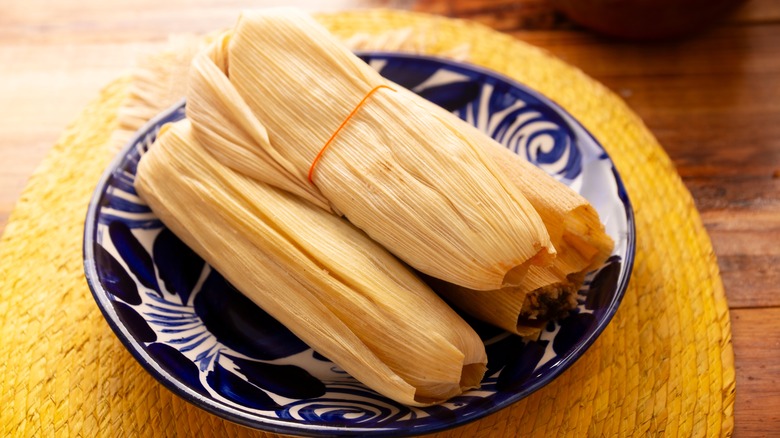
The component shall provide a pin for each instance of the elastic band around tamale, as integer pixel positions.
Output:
(341, 126)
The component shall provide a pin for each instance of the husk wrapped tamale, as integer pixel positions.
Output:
(546, 292)
(314, 272)
(268, 95)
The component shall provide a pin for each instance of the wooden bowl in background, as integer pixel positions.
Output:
(645, 19)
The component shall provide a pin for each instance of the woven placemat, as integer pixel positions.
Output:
(664, 364)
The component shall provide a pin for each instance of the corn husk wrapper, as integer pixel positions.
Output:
(574, 225)
(546, 292)
(268, 95)
(322, 278)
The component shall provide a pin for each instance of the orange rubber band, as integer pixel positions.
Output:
(336, 132)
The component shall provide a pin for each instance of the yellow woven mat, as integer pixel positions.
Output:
(664, 364)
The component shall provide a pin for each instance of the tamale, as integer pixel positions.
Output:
(546, 292)
(317, 274)
(268, 96)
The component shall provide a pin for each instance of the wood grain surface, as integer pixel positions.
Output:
(712, 100)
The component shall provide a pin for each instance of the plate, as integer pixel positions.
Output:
(210, 345)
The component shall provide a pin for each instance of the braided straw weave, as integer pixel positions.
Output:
(664, 364)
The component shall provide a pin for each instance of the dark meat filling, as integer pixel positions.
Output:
(550, 302)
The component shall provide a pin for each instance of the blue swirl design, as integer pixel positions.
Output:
(347, 405)
(215, 343)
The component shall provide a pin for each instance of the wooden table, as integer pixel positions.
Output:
(713, 101)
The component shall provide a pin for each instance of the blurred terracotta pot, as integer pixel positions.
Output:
(645, 19)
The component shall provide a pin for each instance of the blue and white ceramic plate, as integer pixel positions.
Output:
(207, 343)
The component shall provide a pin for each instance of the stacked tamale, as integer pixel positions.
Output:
(318, 188)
